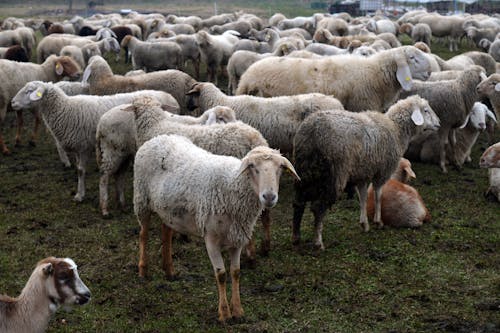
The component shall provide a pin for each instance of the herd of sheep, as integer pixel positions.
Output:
(340, 97)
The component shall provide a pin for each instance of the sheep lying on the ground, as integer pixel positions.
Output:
(54, 282)
(334, 148)
(73, 119)
(216, 197)
(401, 205)
(491, 160)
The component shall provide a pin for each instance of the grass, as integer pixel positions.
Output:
(443, 277)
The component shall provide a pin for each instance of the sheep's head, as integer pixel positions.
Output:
(65, 66)
(264, 165)
(418, 109)
(491, 157)
(194, 96)
(126, 40)
(62, 282)
(29, 95)
(219, 115)
(489, 86)
(478, 116)
(411, 64)
(404, 173)
(96, 64)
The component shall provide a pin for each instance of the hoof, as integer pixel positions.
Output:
(365, 227)
(107, 215)
(78, 198)
(6, 152)
(32, 143)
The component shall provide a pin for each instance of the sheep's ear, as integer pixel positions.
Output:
(497, 87)
(59, 68)
(170, 108)
(245, 164)
(194, 90)
(128, 108)
(417, 117)
(491, 115)
(37, 94)
(409, 171)
(48, 270)
(212, 119)
(86, 75)
(465, 122)
(483, 76)
(403, 73)
(289, 167)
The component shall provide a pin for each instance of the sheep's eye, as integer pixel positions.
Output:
(426, 110)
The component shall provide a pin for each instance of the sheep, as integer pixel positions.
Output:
(233, 139)
(421, 32)
(358, 83)
(276, 118)
(219, 199)
(401, 205)
(337, 26)
(75, 53)
(10, 37)
(476, 34)
(382, 26)
(153, 56)
(14, 75)
(490, 88)
(52, 44)
(275, 19)
(295, 32)
(216, 20)
(194, 21)
(466, 137)
(324, 49)
(115, 145)
(452, 101)
(494, 50)
(241, 26)
(332, 148)
(73, 119)
(215, 51)
(53, 282)
(307, 23)
(491, 160)
(445, 26)
(101, 80)
(14, 53)
(101, 47)
(189, 51)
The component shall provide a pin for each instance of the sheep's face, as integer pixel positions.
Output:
(491, 157)
(63, 284)
(423, 116)
(264, 166)
(478, 116)
(419, 65)
(220, 115)
(28, 96)
(490, 86)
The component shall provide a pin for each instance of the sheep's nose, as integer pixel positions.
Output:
(482, 126)
(84, 298)
(270, 198)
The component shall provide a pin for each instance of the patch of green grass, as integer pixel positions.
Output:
(442, 277)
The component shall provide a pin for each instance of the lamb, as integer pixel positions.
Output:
(421, 32)
(327, 161)
(375, 82)
(215, 51)
(491, 160)
(401, 204)
(382, 26)
(490, 88)
(241, 26)
(115, 144)
(14, 75)
(452, 101)
(153, 56)
(219, 199)
(73, 119)
(276, 118)
(101, 80)
(424, 149)
(53, 282)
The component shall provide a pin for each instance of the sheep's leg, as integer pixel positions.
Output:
(103, 193)
(5, 150)
(363, 195)
(20, 124)
(266, 224)
(120, 188)
(34, 135)
(196, 64)
(235, 282)
(144, 220)
(298, 212)
(250, 252)
(378, 206)
(167, 262)
(319, 209)
(81, 164)
(443, 141)
(215, 256)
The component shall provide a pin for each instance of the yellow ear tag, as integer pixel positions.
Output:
(407, 78)
(58, 65)
(39, 94)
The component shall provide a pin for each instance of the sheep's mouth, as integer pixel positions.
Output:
(82, 299)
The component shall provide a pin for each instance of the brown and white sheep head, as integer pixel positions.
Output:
(404, 173)
(411, 64)
(490, 86)
(65, 66)
(491, 157)
(62, 282)
(264, 165)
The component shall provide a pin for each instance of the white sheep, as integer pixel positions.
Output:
(153, 56)
(334, 148)
(101, 80)
(52, 44)
(276, 118)
(426, 149)
(72, 119)
(53, 282)
(359, 83)
(452, 100)
(491, 160)
(116, 147)
(218, 198)
(15, 75)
